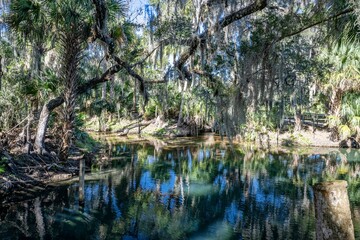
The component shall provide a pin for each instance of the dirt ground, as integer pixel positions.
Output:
(320, 138)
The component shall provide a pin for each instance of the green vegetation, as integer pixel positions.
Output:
(3, 165)
(242, 69)
(258, 72)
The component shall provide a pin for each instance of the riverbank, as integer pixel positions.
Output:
(210, 139)
(170, 129)
(26, 174)
(22, 174)
(154, 127)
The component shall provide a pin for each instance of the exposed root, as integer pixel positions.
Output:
(25, 172)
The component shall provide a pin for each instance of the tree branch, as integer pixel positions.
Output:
(163, 42)
(106, 76)
(256, 6)
(128, 68)
(100, 32)
(146, 57)
(196, 40)
(303, 28)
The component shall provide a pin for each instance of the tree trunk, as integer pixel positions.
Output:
(102, 125)
(297, 118)
(335, 110)
(31, 117)
(182, 90)
(335, 102)
(43, 123)
(70, 60)
(112, 95)
(135, 98)
(1, 72)
(37, 54)
(81, 181)
(332, 211)
(265, 60)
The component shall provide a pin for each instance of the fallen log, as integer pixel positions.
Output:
(125, 130)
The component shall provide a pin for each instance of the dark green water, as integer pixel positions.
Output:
(196, 191)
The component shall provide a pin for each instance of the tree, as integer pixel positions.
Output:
(343, 78)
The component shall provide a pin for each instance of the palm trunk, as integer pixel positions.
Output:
(71, 44)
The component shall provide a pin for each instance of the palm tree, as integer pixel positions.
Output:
(74, 30)
(65, 25)
(29, 22)
(343, 77)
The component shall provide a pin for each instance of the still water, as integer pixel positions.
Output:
(190, 189)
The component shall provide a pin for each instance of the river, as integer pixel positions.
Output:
(187, 189)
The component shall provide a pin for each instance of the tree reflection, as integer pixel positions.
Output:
(187, 191)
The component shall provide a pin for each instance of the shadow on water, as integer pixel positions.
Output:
(194, 189)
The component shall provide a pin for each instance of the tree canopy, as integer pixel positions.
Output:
(237, 66)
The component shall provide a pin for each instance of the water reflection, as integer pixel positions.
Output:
(196, 191)
(81, 181)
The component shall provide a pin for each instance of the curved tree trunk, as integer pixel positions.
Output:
(56, 102)
(43, 123)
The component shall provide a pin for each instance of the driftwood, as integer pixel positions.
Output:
(125, 130)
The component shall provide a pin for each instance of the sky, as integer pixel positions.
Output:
(136, 10)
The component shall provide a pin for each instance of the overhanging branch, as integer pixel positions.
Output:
(235, 16)
(312, 24)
